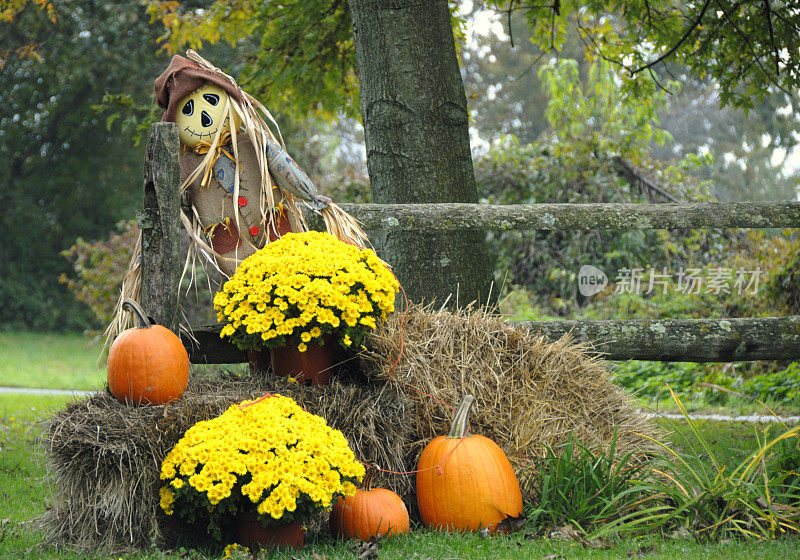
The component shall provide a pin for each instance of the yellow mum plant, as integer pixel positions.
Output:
(267, 455)
(300, 288)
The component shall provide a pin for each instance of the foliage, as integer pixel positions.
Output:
(305, 51)
(689, 489)
(615, 122)
(64, 174)
(597, 134)
(100, 266)
(301, 53)
(771, 254)
(781, 387)
(590, 488)
(748, 47)
(700, 383)
(266, 455)
(717, 501)
(760, 259)
(503, 89)
(750, 149)
(786, 488)
(784, 282)
(302, 287)
(649, 380)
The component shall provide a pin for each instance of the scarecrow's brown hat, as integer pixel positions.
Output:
(183, 77)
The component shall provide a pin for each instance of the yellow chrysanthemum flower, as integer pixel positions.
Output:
(292, 460)
(295, 286)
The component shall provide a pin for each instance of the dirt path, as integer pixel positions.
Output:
(26, 391)
(750, 418)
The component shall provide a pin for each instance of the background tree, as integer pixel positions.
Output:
(750, 48)
(416, 122)
(749, 149)
(500, 68)
(64, 175)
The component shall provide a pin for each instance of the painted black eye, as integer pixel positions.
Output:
(188, 109)
(212, 98)
(205, 119)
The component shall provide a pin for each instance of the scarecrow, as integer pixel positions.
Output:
(241, 189)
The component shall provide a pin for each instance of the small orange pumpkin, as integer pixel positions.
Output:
(147, 364)
(465, 482)
(370, 513)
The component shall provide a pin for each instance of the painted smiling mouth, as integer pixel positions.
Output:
(201, 134)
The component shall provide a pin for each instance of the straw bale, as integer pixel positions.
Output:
(103, 457)
(529, 392)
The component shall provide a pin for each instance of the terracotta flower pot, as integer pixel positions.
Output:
(254, 535)
(312, 367)
(260, 361)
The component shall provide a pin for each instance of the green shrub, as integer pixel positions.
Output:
(652, 381)
(782, 387)
(589, 488)
(718, 501)
(699, 383)
(99, 267)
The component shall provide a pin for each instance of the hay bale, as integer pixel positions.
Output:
(104, 458)
(529, 392)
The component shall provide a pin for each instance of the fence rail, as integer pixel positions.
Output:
(701, 340)
(459, 216)
(673, 340)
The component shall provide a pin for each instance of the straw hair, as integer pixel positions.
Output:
(131, 289)
(103, 458)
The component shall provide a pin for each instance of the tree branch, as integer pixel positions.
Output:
(677, 45)
(756, 57)
(768, 15)
(631, 174)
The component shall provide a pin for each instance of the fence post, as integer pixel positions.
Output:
(160, 224)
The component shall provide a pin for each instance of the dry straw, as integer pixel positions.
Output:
(104, 457)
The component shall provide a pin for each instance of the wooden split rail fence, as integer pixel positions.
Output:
(701, 340)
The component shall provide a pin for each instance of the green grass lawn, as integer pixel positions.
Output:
(22, 485)
(50, 361)
(63, 361)
(23, 495)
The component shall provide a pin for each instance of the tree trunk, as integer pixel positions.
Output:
(416, 127)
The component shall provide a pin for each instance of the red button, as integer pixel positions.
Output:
(242, 201)
(254, 231)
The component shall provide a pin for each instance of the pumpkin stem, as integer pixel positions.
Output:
(460, 425)
(138, 312)
(372, 470)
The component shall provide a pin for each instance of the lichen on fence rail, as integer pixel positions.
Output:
(454, 216)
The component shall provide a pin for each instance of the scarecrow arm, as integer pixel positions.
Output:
(289, 176)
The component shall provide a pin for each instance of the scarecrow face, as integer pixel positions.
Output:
(200, 115)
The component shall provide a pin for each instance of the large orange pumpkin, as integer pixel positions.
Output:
(370, 513)
(147, 364)
(465, 482)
